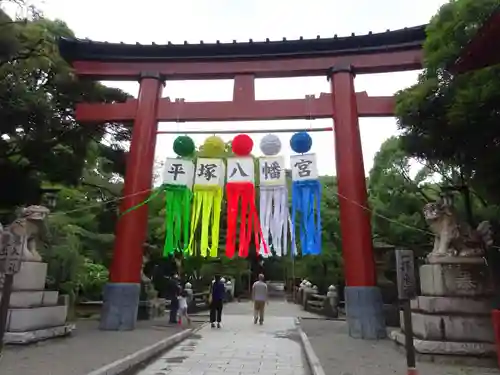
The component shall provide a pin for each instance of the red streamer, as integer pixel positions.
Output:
(244, 191)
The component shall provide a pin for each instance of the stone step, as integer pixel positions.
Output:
(30, 319)
(28, 337)
(33, 298)
(454, 348)
(451, 328)
(452, 305)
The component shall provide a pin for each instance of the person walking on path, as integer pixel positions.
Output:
(173, 295)
(216, 295)
(259, 298)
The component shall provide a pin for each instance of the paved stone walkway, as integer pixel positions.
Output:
(275, 308)
(238, 348)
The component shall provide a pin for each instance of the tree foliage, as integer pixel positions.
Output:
(42, 145)
(453, 119)
(397, 197)
(37, 98)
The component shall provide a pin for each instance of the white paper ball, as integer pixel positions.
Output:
(270, 145)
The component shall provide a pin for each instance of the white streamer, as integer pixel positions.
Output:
(274, 217)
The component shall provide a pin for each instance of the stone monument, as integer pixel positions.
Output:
(34, 313)
(452, 316)
(150, 306)
(382, 253)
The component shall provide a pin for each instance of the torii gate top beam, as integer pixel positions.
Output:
(390, 51)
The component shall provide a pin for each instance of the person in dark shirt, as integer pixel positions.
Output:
(217, 292)
(173, 294)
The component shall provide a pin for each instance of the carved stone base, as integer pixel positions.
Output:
(34, 313)
(453, 315)
(29, 337)
(455, 279)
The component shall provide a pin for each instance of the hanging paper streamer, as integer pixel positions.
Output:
(306, 194)
(240, 187)
(178, 175)
(207, 197)
(274, 214)
(177, 181)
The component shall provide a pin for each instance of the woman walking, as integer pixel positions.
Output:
(217, 292)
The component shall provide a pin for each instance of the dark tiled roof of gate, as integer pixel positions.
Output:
(397, 40)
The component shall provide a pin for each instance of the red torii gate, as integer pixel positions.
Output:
(339, 59)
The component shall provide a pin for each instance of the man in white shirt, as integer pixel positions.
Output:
(259, 298)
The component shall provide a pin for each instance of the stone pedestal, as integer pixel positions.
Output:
(34, 313)
(453, 314)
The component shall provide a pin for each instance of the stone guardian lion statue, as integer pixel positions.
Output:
(30, 225)
(454, 237)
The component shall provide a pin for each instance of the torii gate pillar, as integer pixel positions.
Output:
(121, 294)
(364, 307)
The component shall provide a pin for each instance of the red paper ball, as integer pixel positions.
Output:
(242, 145)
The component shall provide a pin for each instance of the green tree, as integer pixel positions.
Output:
(38, 94)
(453, 120)
(81, 238)
(42, 145)
(397, 199)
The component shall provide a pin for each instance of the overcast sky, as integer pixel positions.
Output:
(160, 21)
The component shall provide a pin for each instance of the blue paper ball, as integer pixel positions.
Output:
(301, 142)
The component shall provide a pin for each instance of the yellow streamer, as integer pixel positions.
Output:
(207, 203)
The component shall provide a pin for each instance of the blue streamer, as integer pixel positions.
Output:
(306, 196)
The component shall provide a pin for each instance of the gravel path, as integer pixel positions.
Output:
(86, 350)
(341, 355)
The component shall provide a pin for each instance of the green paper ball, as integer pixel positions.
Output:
(184, 146)
(213, 147)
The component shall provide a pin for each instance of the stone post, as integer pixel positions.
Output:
(331, 302)
(305, 294)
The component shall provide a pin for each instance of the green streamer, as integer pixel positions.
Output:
(177, 212)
